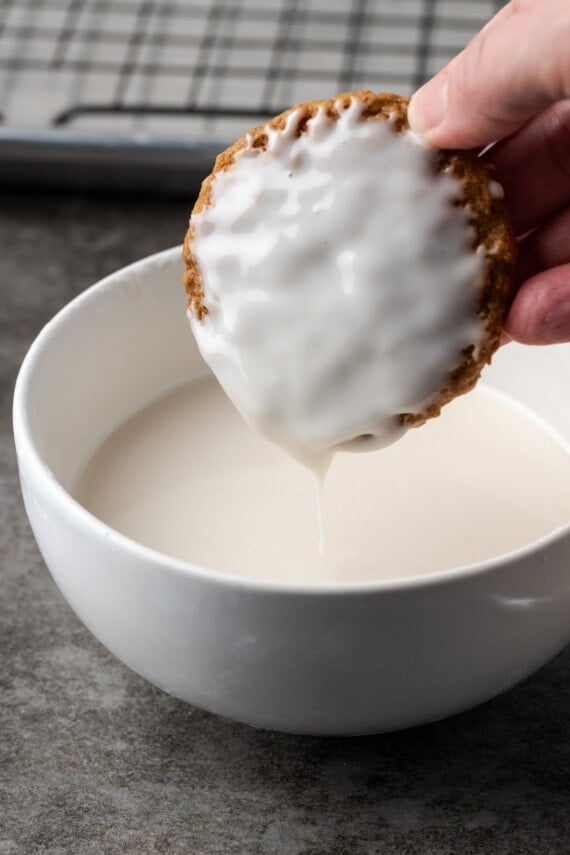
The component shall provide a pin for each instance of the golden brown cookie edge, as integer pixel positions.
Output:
(488, 217)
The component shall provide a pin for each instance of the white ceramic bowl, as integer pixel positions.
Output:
(327, 659)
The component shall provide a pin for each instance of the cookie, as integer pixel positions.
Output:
(332, 242)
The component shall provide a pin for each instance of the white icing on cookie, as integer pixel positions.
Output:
(340, 282)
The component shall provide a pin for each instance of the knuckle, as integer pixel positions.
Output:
(515, 7)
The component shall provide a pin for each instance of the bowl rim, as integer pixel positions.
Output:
(46, 483)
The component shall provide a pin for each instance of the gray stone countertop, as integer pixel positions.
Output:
(95, 760)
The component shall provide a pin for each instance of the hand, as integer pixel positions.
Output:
(511, 84)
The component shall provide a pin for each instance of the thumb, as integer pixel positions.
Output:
(515, 67)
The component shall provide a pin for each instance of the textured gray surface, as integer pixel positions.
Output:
(95, 760)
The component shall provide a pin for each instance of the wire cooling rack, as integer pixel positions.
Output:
(121, 86)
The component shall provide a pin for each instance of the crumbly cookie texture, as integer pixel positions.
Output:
(482, 197)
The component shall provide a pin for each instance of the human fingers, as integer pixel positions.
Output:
(545, 248)
(515, 67)
(548, 246)
(533, 166)
(540, 310)
(540, 313)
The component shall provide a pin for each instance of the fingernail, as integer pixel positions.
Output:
(427, 107)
